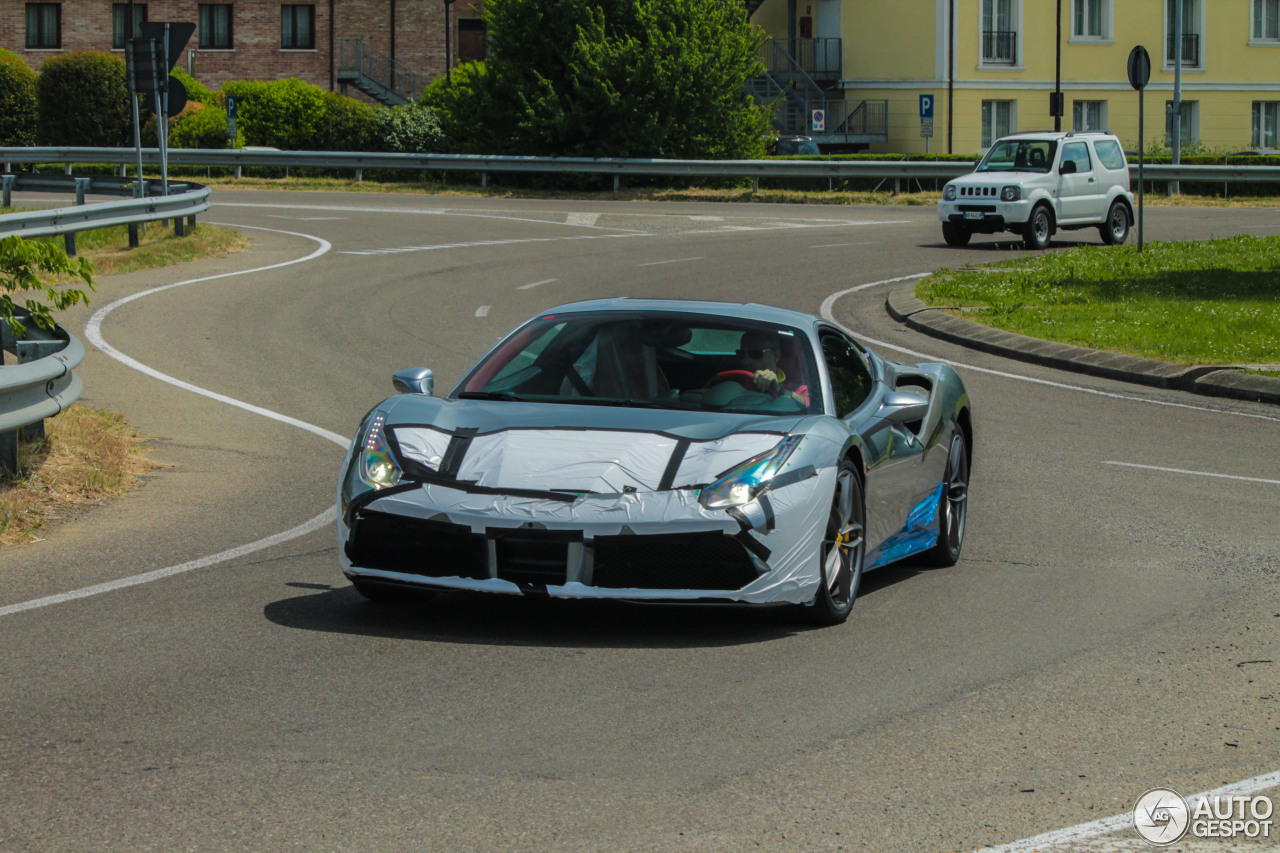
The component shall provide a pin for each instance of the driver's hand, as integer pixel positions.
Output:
(767, 381)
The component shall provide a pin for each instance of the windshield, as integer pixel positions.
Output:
(653, 360)
(1019, 155)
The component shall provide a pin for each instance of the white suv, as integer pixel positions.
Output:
(1036, 183)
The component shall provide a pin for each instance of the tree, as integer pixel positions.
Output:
(21, 263)
(614, 78)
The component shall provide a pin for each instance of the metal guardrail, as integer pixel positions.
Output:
(485, 164)
(184, 200)
(40, 386)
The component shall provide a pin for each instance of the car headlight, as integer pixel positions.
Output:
(742, 484)
(1010, 193)
(949, 192)
(372, 464)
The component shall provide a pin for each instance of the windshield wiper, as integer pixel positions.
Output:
(490, 395)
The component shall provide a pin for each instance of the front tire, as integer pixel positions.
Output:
(843, 550)
(1039, 228)
(953, 506)
(1116, 229)
(955, 235)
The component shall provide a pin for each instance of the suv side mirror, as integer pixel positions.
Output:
(415, 380)
(1068, 168)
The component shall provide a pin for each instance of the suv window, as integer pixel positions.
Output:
(1110, 154)
(1078, 152)
(1019, 155)
(850, 378)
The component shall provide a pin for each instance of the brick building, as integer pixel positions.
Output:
(319, 42)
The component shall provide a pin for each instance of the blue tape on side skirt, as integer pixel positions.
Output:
(920, 533)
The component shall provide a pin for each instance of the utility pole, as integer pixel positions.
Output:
(1177, 90)
(1057, 100)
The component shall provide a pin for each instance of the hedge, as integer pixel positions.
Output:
(18, 105)
(83, 100)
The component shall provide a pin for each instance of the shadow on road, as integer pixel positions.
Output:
(501, 620)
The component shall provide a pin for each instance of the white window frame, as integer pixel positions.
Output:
(1015, 26)
(1195, 26)
(1259, 136)
(1107, 28)
(1102, 114)
(1190, 124)
(990, 121)
(1261, 19)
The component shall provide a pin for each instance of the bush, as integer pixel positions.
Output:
(347, 125)
(285, 114)
(201, 126)
(83, 100)
(459, 105)
(17, 101)
(410, 129)
(199, 92)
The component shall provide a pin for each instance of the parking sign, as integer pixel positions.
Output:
(819, 120)
(926, 106)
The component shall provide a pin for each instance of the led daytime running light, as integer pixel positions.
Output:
(378, 465)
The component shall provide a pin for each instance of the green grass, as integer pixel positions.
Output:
(1210, 302)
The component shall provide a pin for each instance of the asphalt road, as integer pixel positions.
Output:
(1109, 629)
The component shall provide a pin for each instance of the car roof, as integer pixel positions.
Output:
(738, 310)
(1056, 134)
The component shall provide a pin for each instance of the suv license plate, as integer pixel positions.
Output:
(973, 214)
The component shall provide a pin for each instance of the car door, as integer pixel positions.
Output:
(1078, 193)
(893, 453)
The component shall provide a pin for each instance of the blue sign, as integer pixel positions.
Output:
(926, 106)
(231, 106)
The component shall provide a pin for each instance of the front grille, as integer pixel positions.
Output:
(979, 192)
(677, 561)
(415, 546)
(533, 558)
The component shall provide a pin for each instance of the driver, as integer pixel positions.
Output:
(758, 353)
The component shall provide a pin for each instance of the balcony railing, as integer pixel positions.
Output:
(999, 47)
(1190, 49)
(820, 58)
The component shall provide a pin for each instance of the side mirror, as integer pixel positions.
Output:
(902, 407)
(415, 380)
(1068, 168)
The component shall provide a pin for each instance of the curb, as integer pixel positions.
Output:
(1209, 380)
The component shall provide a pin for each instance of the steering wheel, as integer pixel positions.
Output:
(745, 378)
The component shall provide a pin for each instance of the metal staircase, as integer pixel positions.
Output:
(803, 76)
(376, 74)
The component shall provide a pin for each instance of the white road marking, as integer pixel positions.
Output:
(672, 261)
(474, 243)
(706, 219)
(536, 284)
(1115, 823)
(93, 332)
(308, 218)
(324, 519)
(773, 225)
(838, 245)
(587, 219)
(829, 302)
(415, 211)
(1194, 473)
(483, 311)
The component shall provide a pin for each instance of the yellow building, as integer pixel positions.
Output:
(990, 66)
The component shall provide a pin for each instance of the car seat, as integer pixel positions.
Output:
(1037, 158)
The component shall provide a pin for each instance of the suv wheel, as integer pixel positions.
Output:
(1039, 228)
(955, 235)
(1116, 229)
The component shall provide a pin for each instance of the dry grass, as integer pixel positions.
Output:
(87, 455)
(109, 250)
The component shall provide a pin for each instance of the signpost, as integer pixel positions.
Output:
(231, 119)
(1139, 74)
(926, 120)
(149, 60)
(820, 120)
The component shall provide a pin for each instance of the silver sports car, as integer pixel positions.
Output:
(660, 450)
